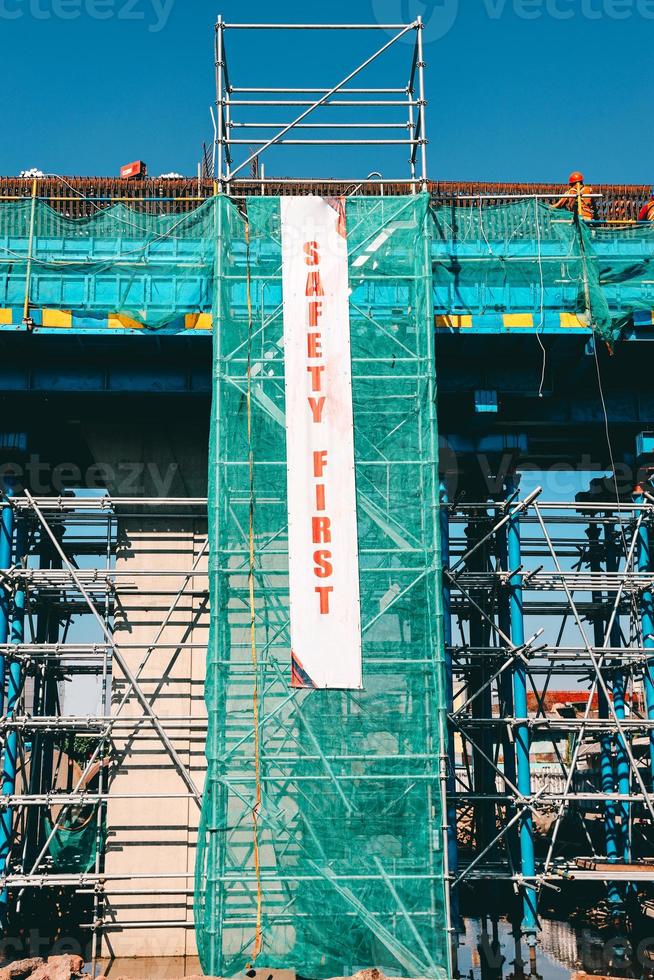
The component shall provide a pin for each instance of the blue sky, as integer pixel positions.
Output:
(518, 89)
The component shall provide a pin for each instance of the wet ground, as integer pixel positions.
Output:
(562, 951)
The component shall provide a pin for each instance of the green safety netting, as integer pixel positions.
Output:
(155, 270)
(529, 257)
(74, 846)
(151, 269)
(349, 817)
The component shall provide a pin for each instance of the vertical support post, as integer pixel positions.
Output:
(506, 685)
(516, 610)
(453, 855)
(10, 759)
(220, 77)
(422, 108)
(647, 622)
(479, 690)
(507, 711)
(607, 774)
(622, 766)
(412, 131)
(6, 550)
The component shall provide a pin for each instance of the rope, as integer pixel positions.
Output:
(258, 936)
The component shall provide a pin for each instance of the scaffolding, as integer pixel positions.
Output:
(538, 596)
(321, 843)
(242, 138)
(550, 597)
(66, 603)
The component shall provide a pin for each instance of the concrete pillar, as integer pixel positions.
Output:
(155, 836)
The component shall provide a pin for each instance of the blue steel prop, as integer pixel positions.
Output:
(523, 762)
(10, 758)
(607, 766)
(620, 680)
(647, 623)
(6, 550)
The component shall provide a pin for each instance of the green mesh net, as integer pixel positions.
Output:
(157, 270)
(529, 257)
(350, 820)
(74, 845)
(150, 269)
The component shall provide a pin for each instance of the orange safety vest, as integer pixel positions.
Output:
(582, 201)
(647, 212)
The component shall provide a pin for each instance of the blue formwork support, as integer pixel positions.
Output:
(452, 842)
(523, 764)
(10, 758)
(6, 549)
(622, 766)
(506, 681)
(647, 624)
(607, 770)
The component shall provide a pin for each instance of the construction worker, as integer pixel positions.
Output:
(578, 198)
(647, 211)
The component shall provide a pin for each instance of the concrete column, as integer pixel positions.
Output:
(157, 836)
(151, 837)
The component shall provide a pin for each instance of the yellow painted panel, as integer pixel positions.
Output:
(118, 321)
(573, 320)
(518, 320)
(199, 321)
(62, 319)
(458, 321)
(6, 316)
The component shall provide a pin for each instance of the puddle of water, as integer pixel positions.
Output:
(562, 951)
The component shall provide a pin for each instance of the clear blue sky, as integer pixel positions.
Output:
(517, 89)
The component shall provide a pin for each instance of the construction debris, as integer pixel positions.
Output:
(21, 968)
(54, 968)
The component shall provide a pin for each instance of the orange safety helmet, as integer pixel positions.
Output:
(576, 178)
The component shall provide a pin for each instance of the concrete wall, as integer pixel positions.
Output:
(156, 836)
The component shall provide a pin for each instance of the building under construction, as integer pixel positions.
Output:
(175, 779)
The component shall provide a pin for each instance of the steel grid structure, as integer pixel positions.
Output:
(59, 582)
(539, 596)
(401, 124)
(550, 597)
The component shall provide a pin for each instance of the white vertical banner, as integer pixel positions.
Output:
(322, 518)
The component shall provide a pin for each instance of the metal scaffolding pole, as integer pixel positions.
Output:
(453, 847)
(647, 622)
(6, 554)
(521, 731)
(480, 692)
(10, 755)
(620, 678)
(230, 99)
